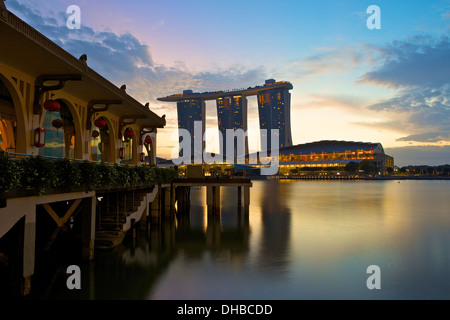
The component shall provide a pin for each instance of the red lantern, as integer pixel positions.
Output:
(129, 134)
(121, 153)
(142, 157)
(39, 137)
(57, 123)
(52, 105)
(95, 134)
(100, 123)
(148, 140)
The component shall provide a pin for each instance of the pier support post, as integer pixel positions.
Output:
(88, 227)
(172, 199)
(155, 206)
(239, 196)
(213, 199)
(29, 240)
(246, 199)
(169, 200)
(182, 198)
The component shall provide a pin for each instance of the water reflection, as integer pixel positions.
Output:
(275, 228)
(300, 240)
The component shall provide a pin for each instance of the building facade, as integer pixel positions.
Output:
(274, 104)
(330, 154)
(232, 114)
(191, 112)
(274, 113)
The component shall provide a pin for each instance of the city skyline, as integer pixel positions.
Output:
(389, 85)
(274, 104)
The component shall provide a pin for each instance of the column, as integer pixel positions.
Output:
(213, 199)
(88, 227)
(246, 199)
(155, 206)
(29, 240)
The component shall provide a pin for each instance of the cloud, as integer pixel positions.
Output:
(419, 69)
(420, 155)
(427, 137)
(424, 112)
(339, 61)
(417, 61)
(341, 101)
(124, 59)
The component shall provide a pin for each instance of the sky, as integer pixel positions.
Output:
(389, 85)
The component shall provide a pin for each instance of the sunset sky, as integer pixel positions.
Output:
(388, 85)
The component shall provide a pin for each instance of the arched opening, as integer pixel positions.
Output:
(8, 120)
(149, 147)
(129, 147)
(101, 141)
(60, 133)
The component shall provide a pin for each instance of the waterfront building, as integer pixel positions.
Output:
(232, 114)
(53, 105)
(34, 70)
(333, 154)
(274, 106)
(191, 111)
(274, 101)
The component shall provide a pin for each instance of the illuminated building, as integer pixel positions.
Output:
(189, 111)
(333, 154)
(232, 114)
(273, 103)
(274, 106)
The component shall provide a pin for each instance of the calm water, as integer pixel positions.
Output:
(301, 240)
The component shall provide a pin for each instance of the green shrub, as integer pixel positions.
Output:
(10, 174)
(67, 175)
(90, 175)
(39, 175)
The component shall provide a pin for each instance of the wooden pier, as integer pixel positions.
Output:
(213, 186)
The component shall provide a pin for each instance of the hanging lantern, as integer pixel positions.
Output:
(100, 123)
(128, 134)
(121, 153)
(95, 134)
(57, 123)
(142, 157)
(148, 140)
(52, 105)
(39, 137)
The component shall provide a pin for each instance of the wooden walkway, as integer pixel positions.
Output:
(213, 186)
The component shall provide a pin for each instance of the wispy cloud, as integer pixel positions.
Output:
(417, 61)
(340, 60)
(419, 68)
(419, 155)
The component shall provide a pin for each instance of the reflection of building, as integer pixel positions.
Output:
(274, 107)
(333, 154)
(232, 114)
(190, 111)
(275, 228)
